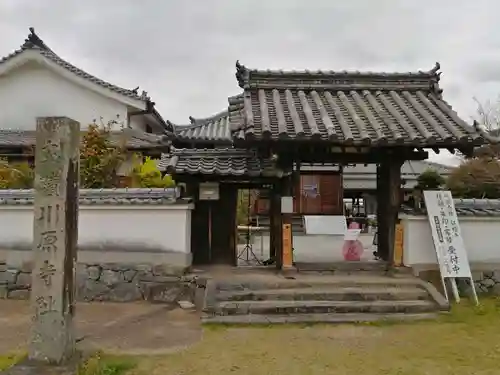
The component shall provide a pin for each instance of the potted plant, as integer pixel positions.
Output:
(372, 225)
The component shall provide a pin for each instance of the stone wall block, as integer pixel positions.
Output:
(23, 280)
(94, 272)
(125, 293)
(167, 270)
(109, 277)
(104, 282)
(149, 278)
(9, 276)
(90, 290)
(129, 275)
(27, 266)
(19, 294)
(3, 291)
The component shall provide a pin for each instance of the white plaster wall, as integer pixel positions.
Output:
(137, 228)
(33, 90)
(481, 238)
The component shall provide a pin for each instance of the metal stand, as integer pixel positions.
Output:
(375, 243)
(261, 238)
(247, 254)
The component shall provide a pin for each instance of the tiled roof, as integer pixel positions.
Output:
(34, 43)
(219, 161)
(351, 108)
(213, 129)
(101, 197)
(135, 140)
(467, 207)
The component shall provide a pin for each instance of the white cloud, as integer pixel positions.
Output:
(183, 52)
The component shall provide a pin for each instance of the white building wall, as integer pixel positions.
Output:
(33, 90)
(121, 234)
(479, 234)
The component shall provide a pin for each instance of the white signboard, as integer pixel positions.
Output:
(448, 241)
(287, 205)
(446, 234)
(325, 224)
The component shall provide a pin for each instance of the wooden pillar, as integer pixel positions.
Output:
(272, 219)
(381, 213)
(277, 226)
(388, 202)
(286, 191)
(55, 239)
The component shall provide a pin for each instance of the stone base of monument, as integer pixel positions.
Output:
(29, 367)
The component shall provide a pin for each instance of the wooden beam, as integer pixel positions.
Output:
(241, 181)
(467, 151)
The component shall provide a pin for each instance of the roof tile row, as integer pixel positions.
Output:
(220, 161)
(102, 197)
(214, 129)
(134, 140)
(348, 108)
(466, 207)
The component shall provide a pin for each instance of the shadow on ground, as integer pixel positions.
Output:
(132, 328)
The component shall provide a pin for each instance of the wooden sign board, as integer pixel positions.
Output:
(287, 246)
(209, 191)
(398, 245)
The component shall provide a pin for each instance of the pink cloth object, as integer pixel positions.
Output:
(352, 250)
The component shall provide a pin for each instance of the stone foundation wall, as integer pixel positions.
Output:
(486, 282)
(109, 282)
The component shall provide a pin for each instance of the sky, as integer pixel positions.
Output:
(183, 52)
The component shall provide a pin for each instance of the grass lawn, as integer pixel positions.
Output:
(466, 342)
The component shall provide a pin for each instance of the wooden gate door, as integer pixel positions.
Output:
(213, 229)
(223, 226)
(320, 194)
(310, 194)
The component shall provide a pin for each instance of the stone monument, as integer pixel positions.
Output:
(55, 239)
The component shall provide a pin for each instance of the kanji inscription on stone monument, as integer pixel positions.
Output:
(55, 239)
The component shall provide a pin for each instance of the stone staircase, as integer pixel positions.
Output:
(314, 298)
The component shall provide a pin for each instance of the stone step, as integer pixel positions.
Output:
(315, 307)
(345, 267)
(330, 318)
(327, 294)
(316, 281)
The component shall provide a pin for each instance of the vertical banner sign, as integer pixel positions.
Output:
(398, 246)
(448, 240)
(287, 246)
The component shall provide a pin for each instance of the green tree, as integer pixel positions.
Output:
(147, 175)
(99, 158)
(16, 175)
(476, 178)
(430, 179)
